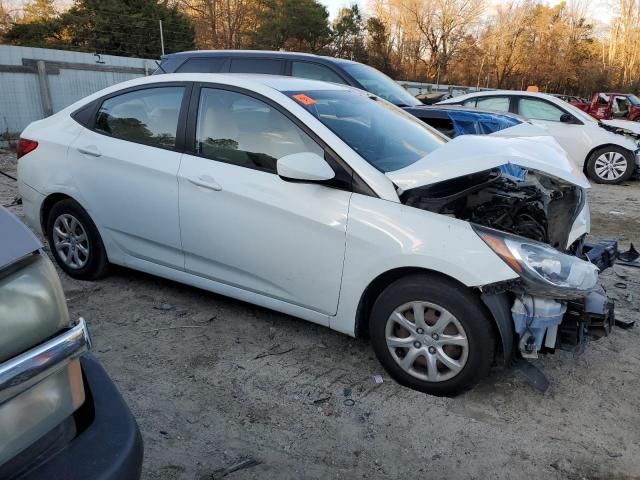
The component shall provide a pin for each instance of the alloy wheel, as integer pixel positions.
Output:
(427, 341)
(70, 241)
(610, 166)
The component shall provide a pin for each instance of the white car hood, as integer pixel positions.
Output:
(524, 129)
(626, 124)
(468, 154)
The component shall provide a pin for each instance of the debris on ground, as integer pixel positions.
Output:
(246, 463)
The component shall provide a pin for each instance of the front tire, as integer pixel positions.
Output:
(75, 242)
(432, 334)
(610, 165)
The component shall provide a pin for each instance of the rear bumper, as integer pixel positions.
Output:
(110, 448)
(31, 206)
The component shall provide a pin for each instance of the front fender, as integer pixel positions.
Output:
(384, 236)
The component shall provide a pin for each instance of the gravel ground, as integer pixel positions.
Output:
(213, 381)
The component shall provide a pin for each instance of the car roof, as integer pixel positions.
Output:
(493, 93)
(281, 83)
(256, 54)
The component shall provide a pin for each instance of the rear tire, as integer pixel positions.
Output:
(442, 351)
(75, 242)
(610, 165)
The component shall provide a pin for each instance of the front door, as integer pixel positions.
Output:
(570, 136)
(242, 225)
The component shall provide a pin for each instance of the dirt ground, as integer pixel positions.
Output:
(213, 381)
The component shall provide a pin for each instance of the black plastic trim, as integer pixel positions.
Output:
(500, 308)
(110, 448)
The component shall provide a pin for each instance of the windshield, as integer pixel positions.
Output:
(384, 135)
(633, 99)
(379, 84)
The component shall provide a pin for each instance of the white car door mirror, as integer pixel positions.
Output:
(304, 167)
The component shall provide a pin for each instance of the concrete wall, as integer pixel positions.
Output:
(35, 82)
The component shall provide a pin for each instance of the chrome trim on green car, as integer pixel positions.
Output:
(23, 371)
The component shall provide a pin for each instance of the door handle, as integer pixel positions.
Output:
(205, 181)
(91, 150)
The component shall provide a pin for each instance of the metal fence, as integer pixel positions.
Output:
(37, 82)
(416, 88)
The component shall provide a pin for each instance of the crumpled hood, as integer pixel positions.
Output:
(524, 129)
(468, 154)
(633, 127)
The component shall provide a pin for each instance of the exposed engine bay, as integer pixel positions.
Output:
(539, 208)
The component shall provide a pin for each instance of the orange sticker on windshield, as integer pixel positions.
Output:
(303, 99)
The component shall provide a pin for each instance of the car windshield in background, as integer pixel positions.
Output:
(384, 135)
(379, 84)
(633, 99)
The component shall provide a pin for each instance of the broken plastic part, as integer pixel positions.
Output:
(532, 316)
(630, 255)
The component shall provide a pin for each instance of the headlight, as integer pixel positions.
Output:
(32, 305)
(545, 270)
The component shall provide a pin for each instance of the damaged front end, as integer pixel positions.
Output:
(534, 215)
(557, 303)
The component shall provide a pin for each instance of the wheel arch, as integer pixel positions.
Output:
(47, 205)
(599, 147)
(382, 281)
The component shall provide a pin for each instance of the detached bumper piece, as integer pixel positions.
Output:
(603, 254)
(588, 319)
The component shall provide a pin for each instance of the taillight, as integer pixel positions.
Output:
(25, 146)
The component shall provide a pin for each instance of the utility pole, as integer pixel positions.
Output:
(161, 37)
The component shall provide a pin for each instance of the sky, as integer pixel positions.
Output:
(600, 9)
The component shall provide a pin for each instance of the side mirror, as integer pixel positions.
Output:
(304, 167)
(566, 118)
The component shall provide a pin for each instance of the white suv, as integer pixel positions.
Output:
(604, 155)
(320, 201)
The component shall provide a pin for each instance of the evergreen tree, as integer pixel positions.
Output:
(300, 25)
(114, 27)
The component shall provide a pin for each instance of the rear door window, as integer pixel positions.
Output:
(148, 116)
(498, 104)
(202, 65)
(315, 71)
(257, 65)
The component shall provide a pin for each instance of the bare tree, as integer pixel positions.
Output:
(444, 25)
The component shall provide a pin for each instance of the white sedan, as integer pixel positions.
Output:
(605, 156)
(320, 201)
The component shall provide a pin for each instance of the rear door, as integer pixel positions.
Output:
(125, 165)
(242, 225)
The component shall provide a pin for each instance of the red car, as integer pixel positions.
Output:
(607, 105)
